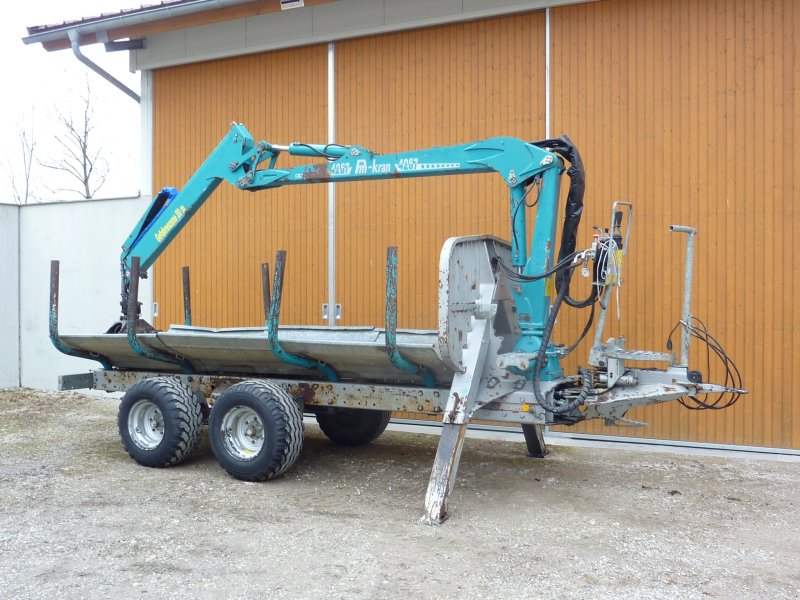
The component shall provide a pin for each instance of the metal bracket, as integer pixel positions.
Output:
(326, 311)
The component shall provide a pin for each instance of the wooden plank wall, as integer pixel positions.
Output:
(692, 109)
(280, 97)
(417, 89)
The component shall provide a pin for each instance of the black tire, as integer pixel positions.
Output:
(353, 427)
(160, 422)
(256, 430)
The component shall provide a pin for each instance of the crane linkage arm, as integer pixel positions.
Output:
(238, 160)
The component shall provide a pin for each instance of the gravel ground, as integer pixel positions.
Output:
(78, 518)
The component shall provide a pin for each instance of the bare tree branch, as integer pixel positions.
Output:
(21, 184)
(79, 160)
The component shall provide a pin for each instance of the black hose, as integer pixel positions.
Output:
(564, 147)
(542, 355)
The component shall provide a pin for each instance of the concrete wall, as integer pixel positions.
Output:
(86, 237)
(9, 295)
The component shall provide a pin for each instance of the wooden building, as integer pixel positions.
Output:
(688, 108)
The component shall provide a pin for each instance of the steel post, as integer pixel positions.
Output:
(187, 298)
(686, 317)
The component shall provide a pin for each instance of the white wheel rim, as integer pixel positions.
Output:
(242, 433)
(146, 425)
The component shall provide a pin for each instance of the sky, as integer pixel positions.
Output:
(40, 84)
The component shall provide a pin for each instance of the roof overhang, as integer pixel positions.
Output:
(139, 22)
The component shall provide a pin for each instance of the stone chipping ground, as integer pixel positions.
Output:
(80, 519)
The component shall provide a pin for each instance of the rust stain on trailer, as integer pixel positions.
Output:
(317, 172)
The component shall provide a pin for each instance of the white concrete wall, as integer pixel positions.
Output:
(86, 237)
(9, 295)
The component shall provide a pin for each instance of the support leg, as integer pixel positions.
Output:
(456, 417)
(443, 476)
(534, 439)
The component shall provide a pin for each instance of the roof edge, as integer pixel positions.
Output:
(92, 30)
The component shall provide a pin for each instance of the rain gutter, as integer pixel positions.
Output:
(76, 50)
(148, 15)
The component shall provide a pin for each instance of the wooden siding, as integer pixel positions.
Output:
(691, 110)
(281, 97)
(417, 89)
(688, 109)
(413, 90)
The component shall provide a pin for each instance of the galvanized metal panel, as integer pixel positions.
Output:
(272, 28)
(324, 22)
(412, 10)
(341, 17)
(209, 39)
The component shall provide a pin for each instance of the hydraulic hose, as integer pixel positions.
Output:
(564, 147)
(541, 357)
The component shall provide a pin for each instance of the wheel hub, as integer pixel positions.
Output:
(242, 433)
(146, 425)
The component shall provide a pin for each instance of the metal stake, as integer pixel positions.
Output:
(187, 298)
(54, 335)
(687, 291)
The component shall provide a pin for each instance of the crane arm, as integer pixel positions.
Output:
(237, 160)
(252, 166)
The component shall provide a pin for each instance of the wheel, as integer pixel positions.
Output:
(256, 430)
(160, 422)
(353, 427)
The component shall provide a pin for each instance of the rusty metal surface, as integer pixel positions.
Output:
(187, 297)
(410, 399)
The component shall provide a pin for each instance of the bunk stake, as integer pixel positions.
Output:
(187, 298)
(391, 323)
(133, 320)
(265, 290)
(54, 335)
(274, 317)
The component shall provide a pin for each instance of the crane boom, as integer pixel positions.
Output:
(252, 166)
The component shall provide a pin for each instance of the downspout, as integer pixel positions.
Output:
(76, 50)
(547, 73)
(331, 189)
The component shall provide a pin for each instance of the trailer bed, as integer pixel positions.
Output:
(355, 353)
